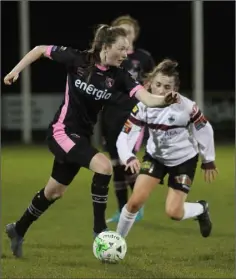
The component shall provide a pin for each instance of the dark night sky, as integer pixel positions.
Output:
(166, 32)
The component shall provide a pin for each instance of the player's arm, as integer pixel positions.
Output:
(128, 84)
(128, 137)
(203, 133)
(151, 100)
(28, 59)
(60, 54)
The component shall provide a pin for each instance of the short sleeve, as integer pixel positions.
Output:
(128, 84)
(61, 54)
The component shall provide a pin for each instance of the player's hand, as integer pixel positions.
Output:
(133, 164)
(210, 171)
(172, 97)
(11, 77)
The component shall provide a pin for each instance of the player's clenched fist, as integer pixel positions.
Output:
(172, 97)
(11, 77)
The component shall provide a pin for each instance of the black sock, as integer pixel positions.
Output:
(120, 185)
(38, 205)
(99, 191)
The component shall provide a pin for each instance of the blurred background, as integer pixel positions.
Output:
(200, 36)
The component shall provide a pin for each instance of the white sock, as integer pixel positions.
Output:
(126, 222)
(192, 209)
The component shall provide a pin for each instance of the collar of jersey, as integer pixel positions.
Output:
(102, 68)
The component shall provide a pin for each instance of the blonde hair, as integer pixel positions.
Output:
(167, 68)
(127, 19)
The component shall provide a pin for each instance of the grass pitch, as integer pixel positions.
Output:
(59, 245)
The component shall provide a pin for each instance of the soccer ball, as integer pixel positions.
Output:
(109, 247)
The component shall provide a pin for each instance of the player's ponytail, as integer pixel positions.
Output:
(97, 43)
(167, 68)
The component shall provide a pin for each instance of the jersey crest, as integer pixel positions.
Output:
(109, 82)
(171, 118)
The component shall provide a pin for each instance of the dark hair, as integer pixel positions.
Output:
(127, 19)
(104, 35)
(168, 68)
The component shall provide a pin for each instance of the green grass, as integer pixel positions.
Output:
(59, 245)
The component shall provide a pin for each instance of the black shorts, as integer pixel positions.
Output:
(71, 152)
(180, 176)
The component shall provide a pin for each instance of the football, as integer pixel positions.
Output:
(109, 247)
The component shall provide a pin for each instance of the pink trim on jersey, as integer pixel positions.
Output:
(102, 68)
(64, 141)
(138, 144)
(135, 89)
(48, 51)
(59, 128)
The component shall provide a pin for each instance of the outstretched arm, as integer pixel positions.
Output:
(151, 100)
(61, 54)
(127, 84)
(28, 59)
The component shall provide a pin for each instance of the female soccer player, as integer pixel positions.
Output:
(93, 76)
(178, 134)
(139, 62)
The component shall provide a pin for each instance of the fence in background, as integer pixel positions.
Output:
(219, 108)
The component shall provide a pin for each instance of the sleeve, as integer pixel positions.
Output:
(130, 133)
(61, 54)
(128, 84)
(203, 133)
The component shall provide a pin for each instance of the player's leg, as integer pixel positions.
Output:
(130, 179)
(120, 188)
(121, 178)
(180, 181)
(119, 183)
(62, 175)
(144, 185)
(102, 167)
(150, 175)
(87, 156)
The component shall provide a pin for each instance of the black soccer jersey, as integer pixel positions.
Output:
(138, 63)
(87, 91)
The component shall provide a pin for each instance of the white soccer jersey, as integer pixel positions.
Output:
(176, 133)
